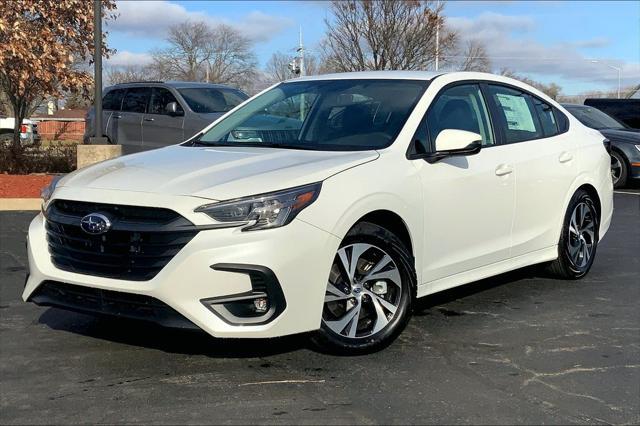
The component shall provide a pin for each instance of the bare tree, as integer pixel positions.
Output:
(127, 73)
(552, 89)
(277, 67)
(231, 58)
(384, 35)
(198, 52)
(474, 57)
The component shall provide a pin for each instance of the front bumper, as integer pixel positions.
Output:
(299, 255)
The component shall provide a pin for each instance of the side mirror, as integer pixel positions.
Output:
(453, 142)
(172, 109)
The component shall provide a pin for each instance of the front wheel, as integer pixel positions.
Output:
(369, 292)
(578, 240)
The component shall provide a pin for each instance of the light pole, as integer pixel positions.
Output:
(613, 68)
(98, 137)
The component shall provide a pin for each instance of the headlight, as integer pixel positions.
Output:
(47, 191)
(263, 211)
(638, 147)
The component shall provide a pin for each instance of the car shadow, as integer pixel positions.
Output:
(194, 342)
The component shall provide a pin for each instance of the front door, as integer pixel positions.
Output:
(468, 201)
(160, 128)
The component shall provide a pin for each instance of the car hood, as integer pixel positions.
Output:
(216, 173)
(622, 135)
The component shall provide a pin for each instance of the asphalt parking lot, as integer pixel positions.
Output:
(518, 348)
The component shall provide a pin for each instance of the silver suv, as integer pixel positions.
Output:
(148, 115)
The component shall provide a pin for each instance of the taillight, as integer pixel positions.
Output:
(23, 128)
(607, 145)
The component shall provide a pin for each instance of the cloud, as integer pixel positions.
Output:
(124, 58)
(509, 43)
(152, 19)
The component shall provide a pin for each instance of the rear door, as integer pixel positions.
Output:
(128, 123)
(544, 156)
(160, 128)
(111, 104)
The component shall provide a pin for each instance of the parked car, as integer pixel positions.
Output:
(355, 194)
(626, 111)
(625, 141)
(150, 115)
(28, 131)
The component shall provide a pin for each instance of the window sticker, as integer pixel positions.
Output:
(517, 112)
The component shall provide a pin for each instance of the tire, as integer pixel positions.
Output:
(366, 313)
(619, 169)
(578, 240)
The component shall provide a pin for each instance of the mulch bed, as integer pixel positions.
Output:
(23, 186)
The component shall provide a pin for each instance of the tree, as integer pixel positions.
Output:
(128, 73)
(474, 57)
(277, 67)
(384, 35)
(40, 41)
(198, 52)
(552, 89)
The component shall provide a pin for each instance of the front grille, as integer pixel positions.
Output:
(278, 135)
(141, 241)
(108, 302)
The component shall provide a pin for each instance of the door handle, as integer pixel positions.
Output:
(149, 119)
(504, 169)
(565, 157)
(117, 116)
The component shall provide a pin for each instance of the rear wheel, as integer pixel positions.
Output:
(619, 170)
(369, 292)
(579, 238)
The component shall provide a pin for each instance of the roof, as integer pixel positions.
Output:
(395, 75)
(63, 113)
(175, 84)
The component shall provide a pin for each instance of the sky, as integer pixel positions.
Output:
(549, 41)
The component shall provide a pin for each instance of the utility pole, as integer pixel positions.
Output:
(98, 137)
(301, 55)
(618, 69)
(437, 33)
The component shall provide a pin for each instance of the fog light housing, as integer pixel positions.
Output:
(261, 304)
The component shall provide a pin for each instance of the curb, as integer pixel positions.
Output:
(12, 204)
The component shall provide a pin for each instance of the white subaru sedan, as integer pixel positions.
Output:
(328, 204)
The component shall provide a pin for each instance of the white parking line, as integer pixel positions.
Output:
(627, 193)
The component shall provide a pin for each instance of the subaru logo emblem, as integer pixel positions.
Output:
(95, 224)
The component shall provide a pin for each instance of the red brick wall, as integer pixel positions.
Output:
(61, 130)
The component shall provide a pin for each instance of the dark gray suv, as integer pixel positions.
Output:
(152, 114)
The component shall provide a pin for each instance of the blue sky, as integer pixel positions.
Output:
(545, 40)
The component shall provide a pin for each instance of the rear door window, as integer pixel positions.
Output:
(546, 117)
(517, 113)
(113, 100)
(136, 99)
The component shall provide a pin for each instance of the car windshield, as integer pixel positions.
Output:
(328, 115)
(594, 118)
(209, 100)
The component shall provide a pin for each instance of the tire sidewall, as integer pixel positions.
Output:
(623, 170)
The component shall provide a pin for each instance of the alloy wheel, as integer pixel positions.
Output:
(363, 292)
(581, 234)
(616, 169)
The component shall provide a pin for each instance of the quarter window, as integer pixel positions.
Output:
(520, 121)
(136, 99)
(159, 100)
(461, 108)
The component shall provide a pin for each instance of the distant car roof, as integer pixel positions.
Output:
(175, 84)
